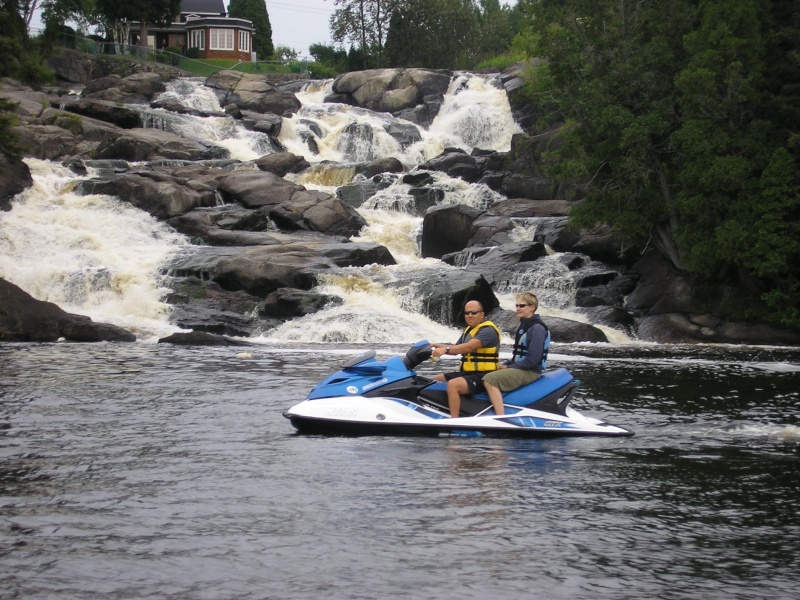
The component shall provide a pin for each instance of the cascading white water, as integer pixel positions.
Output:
(94, 255)
(91, 255)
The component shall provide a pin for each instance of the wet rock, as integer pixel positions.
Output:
(282, 163)
(200, 338)
(567, 331)
(204, 306)
(261, 270)
(103, 110)
(149, 144)
(249, 92)
(15, 177)
(389, 90)
(447, 229)
(26, 319)
(289, 303)
(160, 195)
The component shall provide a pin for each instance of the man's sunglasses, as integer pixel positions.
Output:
(472, 312)
(522, 305)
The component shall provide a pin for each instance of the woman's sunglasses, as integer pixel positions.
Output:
(522, 305)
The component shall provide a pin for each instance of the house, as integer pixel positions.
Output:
(203, 24)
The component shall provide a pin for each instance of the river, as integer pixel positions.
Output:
(153, 471)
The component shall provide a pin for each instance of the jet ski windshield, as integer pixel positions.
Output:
(357, 360)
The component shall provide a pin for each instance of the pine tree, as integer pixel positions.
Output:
(255, 11)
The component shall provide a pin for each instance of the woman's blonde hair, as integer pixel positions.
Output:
(528, 298)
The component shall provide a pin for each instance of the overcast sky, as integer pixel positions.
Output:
(300, 23)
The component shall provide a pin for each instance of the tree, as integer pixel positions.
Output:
(160, 12)
(364, 23)
(433, 34)
(672, 120)
(256, 12)
(496, 29)
(21, 55)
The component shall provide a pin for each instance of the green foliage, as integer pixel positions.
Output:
(437, 34)
(501, 61)
(329, 61)
(682, 128)
(21, 56)
(321, 71)
(256, 12)
(284, 53)
(9, 142)
(69, 121)
(145, 11)
(364, 24)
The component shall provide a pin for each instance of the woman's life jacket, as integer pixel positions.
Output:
(531, 345)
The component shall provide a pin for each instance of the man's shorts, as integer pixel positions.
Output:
(474, 380)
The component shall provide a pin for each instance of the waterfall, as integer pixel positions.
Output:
(97, 256)
(91, 255)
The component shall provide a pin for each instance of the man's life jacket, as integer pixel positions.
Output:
(482, 359)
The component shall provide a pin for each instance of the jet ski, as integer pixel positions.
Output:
(367, 396)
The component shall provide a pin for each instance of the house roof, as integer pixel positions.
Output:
(212, 21)
(206, 7)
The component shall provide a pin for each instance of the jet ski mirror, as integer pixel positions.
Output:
(417, 354)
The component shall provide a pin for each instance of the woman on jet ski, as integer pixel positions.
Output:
(479, 347)
(531, 343)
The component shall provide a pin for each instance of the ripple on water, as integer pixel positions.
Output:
(136, 471)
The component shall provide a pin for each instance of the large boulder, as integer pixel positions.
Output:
(29, 103)
(442, 294)
(138, 88)
(567, 331)
(104, 110)
(201, 305)
(260, 270)
(681, 328)
(150, 144)
(159, 194)
(252, 93)
(289, 205)
(447, 229)
(288, 303)
(15, 177)
(47, 142)
(495, 264)
(389, 90)
(282, 163)
(26, 319)
(456, 163)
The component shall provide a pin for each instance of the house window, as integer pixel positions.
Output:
(198, 39)
(244, 41)
(221, 39)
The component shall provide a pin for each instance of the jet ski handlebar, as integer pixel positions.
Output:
(417, 354)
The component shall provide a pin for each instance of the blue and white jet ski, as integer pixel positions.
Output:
(371, 397)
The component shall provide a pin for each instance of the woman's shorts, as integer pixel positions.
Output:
(510, 379)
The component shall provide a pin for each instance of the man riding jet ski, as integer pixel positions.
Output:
(372, 397)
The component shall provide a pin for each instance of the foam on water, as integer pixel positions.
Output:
(91, 255)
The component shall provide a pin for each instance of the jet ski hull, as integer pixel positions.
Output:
(360, 416)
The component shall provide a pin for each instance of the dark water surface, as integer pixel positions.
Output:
(144, 471)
